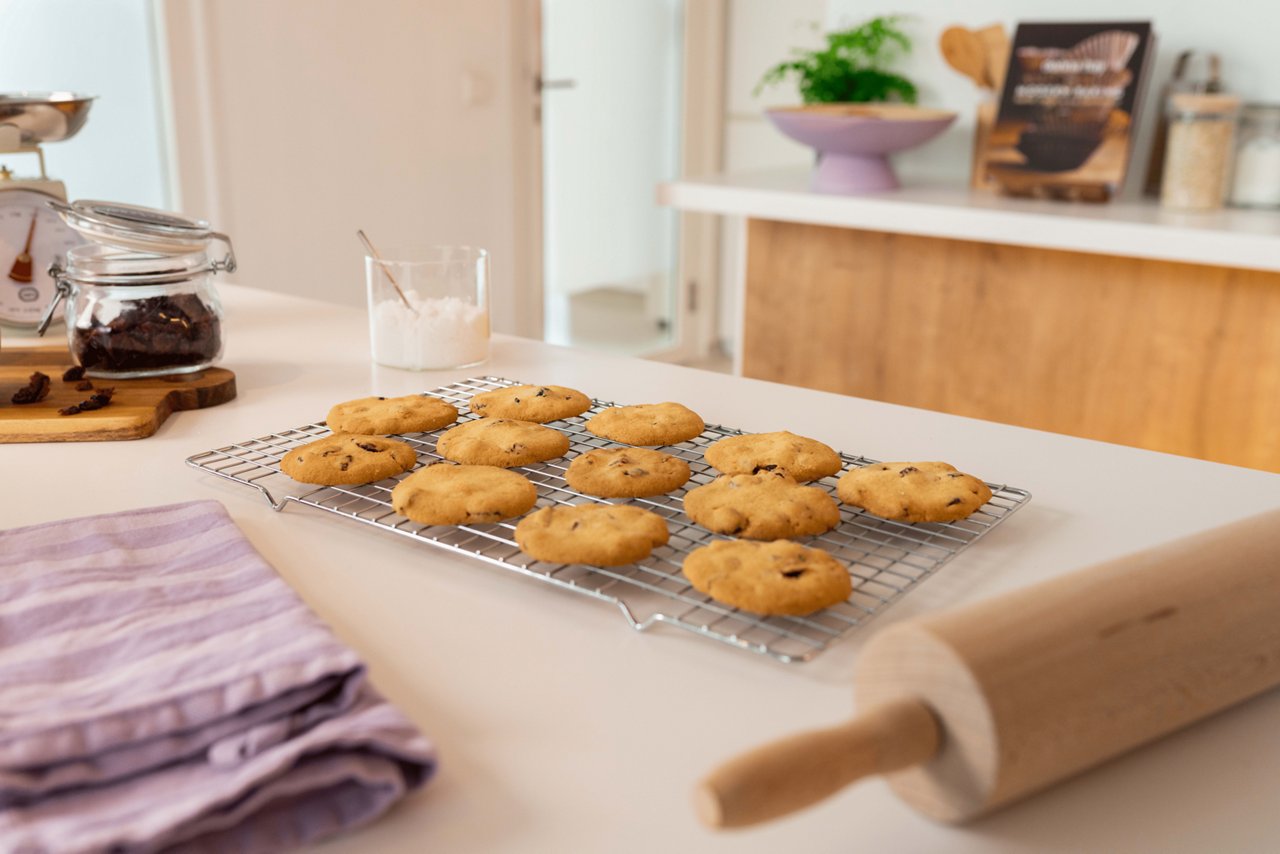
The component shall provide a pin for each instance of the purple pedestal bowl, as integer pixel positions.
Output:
(853, 141)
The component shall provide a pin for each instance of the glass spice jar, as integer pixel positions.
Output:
(1256, 183)
(1198, 151)
(140, 300)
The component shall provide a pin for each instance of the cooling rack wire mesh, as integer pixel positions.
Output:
(885, 558)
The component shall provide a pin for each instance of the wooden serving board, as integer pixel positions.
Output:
(137, 409)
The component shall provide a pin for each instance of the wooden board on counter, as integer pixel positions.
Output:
(136, 411)
(1173, 357)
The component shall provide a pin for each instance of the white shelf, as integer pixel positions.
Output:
(1248, 239)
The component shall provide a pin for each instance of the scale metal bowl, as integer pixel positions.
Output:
(45, 116)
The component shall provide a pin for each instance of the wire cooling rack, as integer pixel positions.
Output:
(885, 558)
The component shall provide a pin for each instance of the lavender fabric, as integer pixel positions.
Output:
(161, 688)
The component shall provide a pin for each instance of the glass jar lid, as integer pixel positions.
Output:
(134, 228)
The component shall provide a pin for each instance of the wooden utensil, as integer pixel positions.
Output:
(973, 708)
(995, 55)
(964, 51)
(136, 411)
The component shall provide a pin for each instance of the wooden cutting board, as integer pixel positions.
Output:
(137, 409)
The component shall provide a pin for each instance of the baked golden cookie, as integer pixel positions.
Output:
(594, 534)
(647, 424)
(803, 458)
(413, 413)
(626, 472)
(537, 403)
(764, 506)
(768, 578)
(446, 494)
(348, 458)
(913, 492)
(501, 442)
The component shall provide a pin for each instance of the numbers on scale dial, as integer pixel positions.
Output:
(23, 302)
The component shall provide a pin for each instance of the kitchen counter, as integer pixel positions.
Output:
(562, 730)
(1134, 228)
(1159, 329)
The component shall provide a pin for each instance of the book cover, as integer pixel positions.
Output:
(1065, 123)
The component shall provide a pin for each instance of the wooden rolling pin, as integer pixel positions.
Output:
(973, 708)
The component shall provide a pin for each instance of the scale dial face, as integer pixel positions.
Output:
(31, 236)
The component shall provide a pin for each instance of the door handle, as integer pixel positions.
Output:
(540, 84)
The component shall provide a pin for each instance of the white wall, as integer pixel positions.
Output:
(97, 47)
(299, 121)
(1243, 32)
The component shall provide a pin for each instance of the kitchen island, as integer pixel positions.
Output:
(1123, 322)
(560, 729)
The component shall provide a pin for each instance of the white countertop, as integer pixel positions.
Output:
(560, 729)
(1232, 237)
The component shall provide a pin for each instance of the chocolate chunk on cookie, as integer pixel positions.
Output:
(803, 458)
(594, 534)
(537, 403)
(768, 578)
(626, 472)
(446, 494)
(501, 442)
(412, 413)
(913, 492)
(348, 458)
(764, 506)
(648, 424)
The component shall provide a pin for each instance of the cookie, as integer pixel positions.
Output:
(594, 534)
(348, 458)
(913, 492)
(803, 458)
(501, 442)
(537, 403)
(647, 424)
(768, 578)
(626, 472)
(764, 506)
(413, 413)
(444, 494)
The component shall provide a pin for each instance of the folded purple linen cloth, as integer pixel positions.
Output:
(161, 688)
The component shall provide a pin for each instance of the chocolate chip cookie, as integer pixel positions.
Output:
(803, 458)
(764, 506)
(594, 534)
(348, 458)
(626, 472)
(413, 413)
(913, 492)
(647, 424)
(768, 578)
(537, 403)
(447, 494)
(501, 442)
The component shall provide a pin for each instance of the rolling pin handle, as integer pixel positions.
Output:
(803, 769)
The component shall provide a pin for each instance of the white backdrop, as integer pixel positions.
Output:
(103, 48)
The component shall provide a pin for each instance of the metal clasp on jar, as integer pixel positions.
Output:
(228, 263)
(62, 290)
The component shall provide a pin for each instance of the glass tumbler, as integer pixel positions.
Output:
(429, 307)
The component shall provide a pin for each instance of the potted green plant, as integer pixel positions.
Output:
(852, 68)
(856, 112)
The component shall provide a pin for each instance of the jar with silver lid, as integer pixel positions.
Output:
(1256, 183)
(140, 299)
(1199, 149)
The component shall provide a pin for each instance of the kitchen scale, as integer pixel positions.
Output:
(32, 234)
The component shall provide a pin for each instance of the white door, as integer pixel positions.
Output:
(613, 93)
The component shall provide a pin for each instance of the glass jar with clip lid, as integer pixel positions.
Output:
(140, 300)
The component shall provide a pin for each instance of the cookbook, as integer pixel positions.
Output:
(1066, 114)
